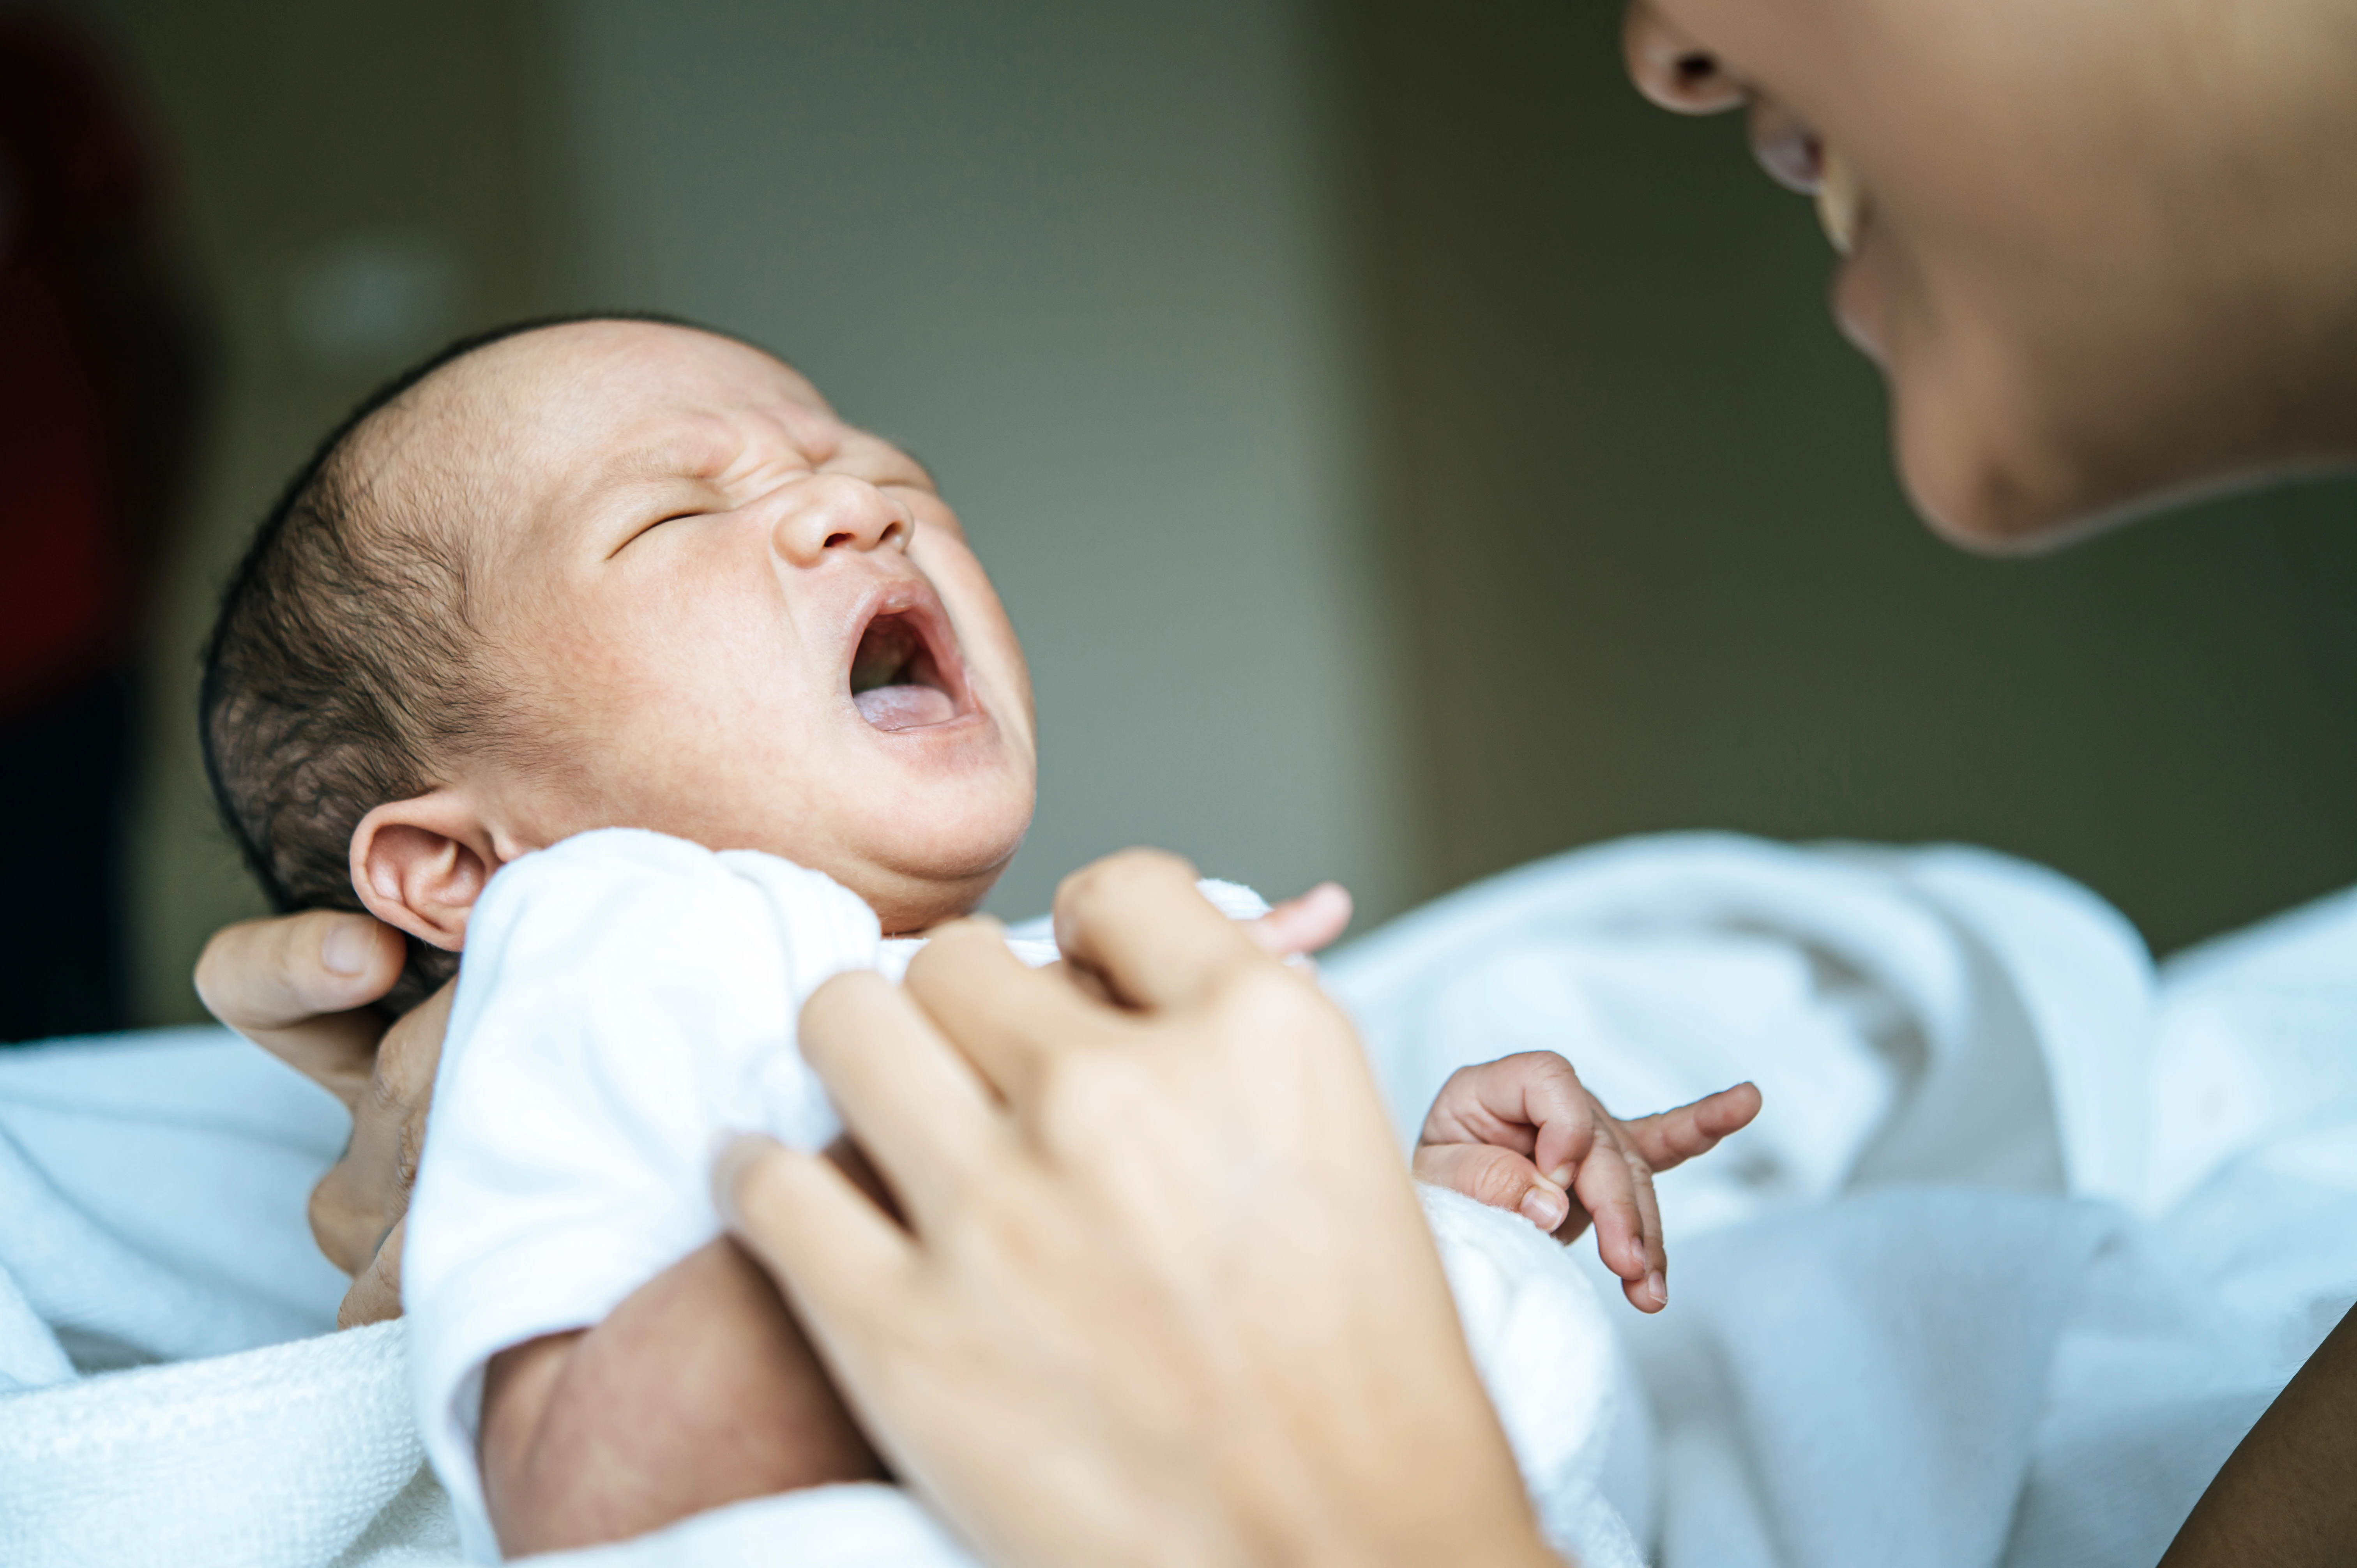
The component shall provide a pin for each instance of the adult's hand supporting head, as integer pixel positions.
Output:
(1163, 1283)
(302, 987)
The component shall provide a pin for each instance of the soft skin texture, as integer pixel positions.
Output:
(2287, 1495)
(1523, 1133)
(2105, 258)
(1181, 1322)
(675, 547)
(698, 1390)
(701, 1388)
(2107, 251)
(304, 987)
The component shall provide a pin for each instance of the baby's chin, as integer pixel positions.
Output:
(923, 885)
(907, 907)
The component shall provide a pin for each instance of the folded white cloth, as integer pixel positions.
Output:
(151, 1192)
(2025, 1235)
(1933, 1309)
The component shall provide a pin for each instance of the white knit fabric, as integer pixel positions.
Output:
(1935, 1309)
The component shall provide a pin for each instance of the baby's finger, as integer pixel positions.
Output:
(1656, 1287)
(1674, 1137)
(1304, 923)
(1531, 1102)
(1606, 1187)
(1499, 1178)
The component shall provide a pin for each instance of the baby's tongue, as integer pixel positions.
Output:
(905, 707)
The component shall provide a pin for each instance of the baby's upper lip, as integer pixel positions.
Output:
(914, 601)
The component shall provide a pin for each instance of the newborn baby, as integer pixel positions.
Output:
(606, 651)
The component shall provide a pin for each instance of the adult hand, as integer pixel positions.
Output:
(1304, 924)
(1163, 1285)
(301, 987)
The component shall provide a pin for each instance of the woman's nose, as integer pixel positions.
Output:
(835, 512)
(1673, 69)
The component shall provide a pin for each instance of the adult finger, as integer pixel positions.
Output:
(827, 1245)
(914, 1105)
(1304, 923)
(366, 1192)
(292, 985)
(1136, 920)
(1499, 1178)
(375, 1294)
(1009, 1019)
(1673, 1137)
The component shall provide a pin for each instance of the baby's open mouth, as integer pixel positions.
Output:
(896, 682)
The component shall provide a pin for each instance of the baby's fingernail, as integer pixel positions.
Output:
(348, 945)
(1560, 1176)
(1659, 1286)
(1545, 1207)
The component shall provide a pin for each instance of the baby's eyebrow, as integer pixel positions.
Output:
(698, 455)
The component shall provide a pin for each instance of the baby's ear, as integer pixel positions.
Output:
(420, 865)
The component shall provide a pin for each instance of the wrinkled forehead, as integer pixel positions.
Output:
(542, 420)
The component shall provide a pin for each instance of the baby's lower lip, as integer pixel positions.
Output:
(905, 707)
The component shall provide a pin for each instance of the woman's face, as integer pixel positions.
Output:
(2099, 249)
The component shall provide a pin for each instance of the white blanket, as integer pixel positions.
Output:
(2023, 1241)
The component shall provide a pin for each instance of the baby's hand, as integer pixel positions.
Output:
(1523, 1133)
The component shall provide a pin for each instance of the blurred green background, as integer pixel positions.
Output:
(1403, 452)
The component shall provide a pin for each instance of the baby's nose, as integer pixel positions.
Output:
(835, 512)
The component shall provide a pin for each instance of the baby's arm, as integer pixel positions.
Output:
(698, 1390)
(1523, 1133)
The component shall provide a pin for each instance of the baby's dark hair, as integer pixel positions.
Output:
(343, 673)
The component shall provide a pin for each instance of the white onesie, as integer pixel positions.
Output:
(626, 998)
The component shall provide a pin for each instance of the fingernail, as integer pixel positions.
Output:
(1560, 1176)
(1545, 1207)
(1659, 1286)
(348, 945)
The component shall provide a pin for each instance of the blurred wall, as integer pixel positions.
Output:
(353, 185)
(1079, 257)
(1660, 574)
(1403, 452)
